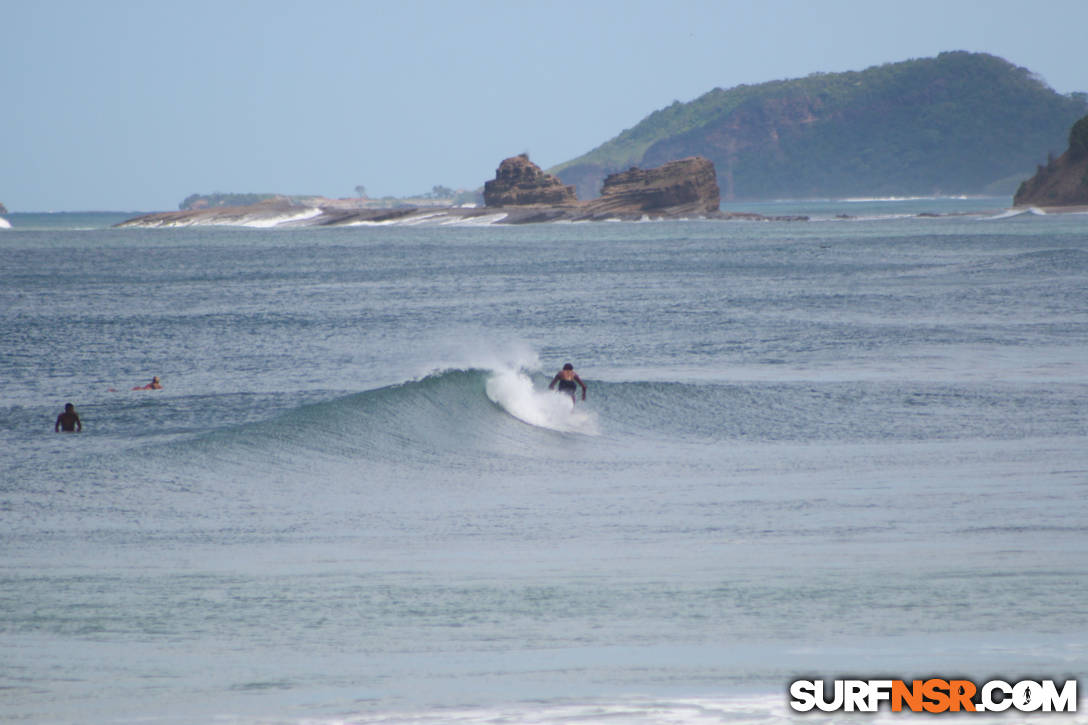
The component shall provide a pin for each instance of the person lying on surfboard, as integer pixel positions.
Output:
(566, 378)
(153, 385)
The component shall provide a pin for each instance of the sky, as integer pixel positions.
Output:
(132, 106)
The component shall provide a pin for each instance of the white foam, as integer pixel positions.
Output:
(513, 391)
(737, 710)
(868, 199)
(508, 384)
(4, 223)
(427, 217)
(274, 221)
(438, 218)
(477, 221)
(257, 221)
(1009, 213)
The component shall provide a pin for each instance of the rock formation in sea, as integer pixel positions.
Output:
(679, 188)
(1063, 181)
(688, 187)
(518, 182)
(520, 193)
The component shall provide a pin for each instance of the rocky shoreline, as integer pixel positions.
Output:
(287, 216)
(520, 193)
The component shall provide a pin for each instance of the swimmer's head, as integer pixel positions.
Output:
(68, 407)
(568, 366)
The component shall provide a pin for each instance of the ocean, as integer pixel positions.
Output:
(848, 447)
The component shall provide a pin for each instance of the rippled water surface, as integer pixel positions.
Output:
(824, 448)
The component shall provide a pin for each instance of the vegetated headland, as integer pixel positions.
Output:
(958, 124)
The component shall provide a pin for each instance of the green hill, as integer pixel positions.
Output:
(960, 123)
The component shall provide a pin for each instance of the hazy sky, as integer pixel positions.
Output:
(132, 106)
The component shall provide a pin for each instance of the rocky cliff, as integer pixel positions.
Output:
(519, 182)
(684, 187)
(1063, 181)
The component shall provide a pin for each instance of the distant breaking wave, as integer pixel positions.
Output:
(1009, 213)
(272, 216)
(457, 217)
(866, 199)
(246, 217)
(282, 214)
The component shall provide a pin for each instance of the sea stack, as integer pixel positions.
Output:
(688, 187)
(685, 187)
(519, 182)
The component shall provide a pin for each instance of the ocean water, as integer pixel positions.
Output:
(843, 447)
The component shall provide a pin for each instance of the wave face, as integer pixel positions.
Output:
(453, 417)
(446, 419)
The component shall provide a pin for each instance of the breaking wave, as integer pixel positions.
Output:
(455, 417)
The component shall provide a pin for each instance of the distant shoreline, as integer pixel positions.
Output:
(282, 215)
(485, 216)
(469, 213)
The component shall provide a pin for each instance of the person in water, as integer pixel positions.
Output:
(68, 421)
(153, 385)
(566, 379)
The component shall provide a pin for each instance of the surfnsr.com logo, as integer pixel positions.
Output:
(934, 695)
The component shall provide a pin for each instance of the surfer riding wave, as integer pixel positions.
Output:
(566, 379)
